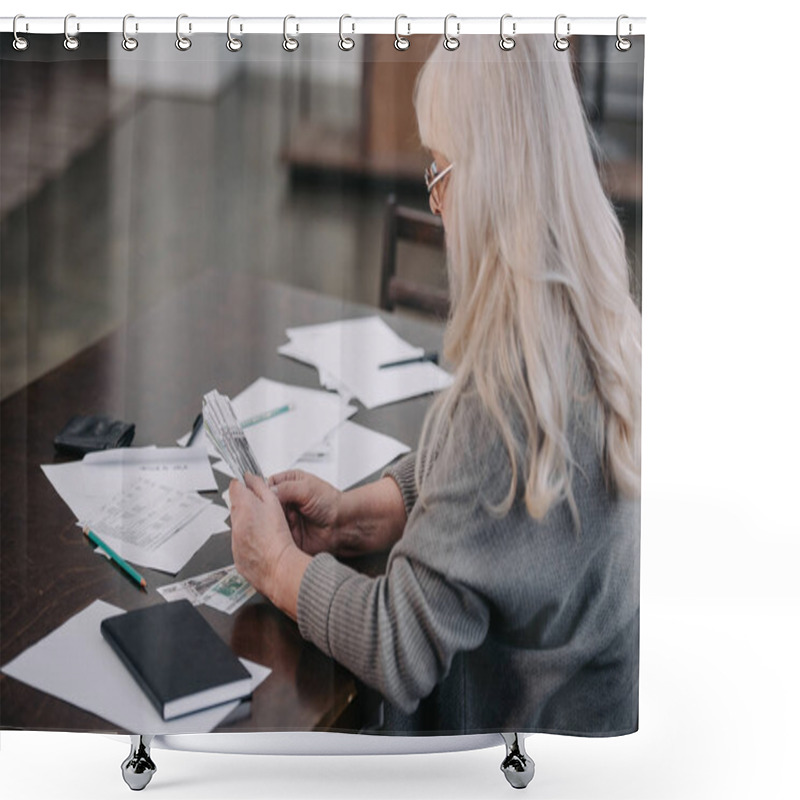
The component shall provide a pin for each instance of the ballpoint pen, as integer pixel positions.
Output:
(198, 424)
(432, 356)
(256, 418)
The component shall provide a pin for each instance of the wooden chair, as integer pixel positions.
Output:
(417, 227)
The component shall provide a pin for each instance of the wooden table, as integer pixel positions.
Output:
(220, 331)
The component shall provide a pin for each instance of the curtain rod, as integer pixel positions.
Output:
(407, 26)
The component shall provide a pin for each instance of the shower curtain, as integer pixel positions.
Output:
(178, 219)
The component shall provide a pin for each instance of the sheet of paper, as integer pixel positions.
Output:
(278, 442)
(349, 454)
(87, 500)
(338, 349)
(91, 676)
(184, 468)
(385, 386)
(348, 355)
(83, 487)
(69, 481)
(224, 589)
(300, 352)
(340, 346)
(144, 516)
(173, 556)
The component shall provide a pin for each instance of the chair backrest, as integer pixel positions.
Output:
(418, 227)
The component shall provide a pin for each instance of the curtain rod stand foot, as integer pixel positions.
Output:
(517, 766)
(138, 768)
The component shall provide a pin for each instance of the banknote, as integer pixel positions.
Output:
(224, 589)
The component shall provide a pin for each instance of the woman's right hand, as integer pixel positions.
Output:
(312, 509)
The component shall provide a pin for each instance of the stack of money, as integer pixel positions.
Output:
(226, 434)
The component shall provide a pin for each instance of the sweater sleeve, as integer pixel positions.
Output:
(399, 632)
(402, 473)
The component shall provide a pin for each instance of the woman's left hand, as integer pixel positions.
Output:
(263, 548)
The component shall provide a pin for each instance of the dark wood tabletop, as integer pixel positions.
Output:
(217, 332)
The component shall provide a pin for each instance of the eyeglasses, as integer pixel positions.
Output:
(433, 175)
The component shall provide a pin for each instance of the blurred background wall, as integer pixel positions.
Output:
(124, 175)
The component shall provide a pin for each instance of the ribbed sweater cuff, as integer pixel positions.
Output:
(402, 473)
(323, 577)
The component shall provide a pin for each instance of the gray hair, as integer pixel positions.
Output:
(541, 307)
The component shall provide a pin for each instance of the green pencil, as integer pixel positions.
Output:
(119, 560)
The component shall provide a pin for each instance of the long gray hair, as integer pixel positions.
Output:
(541, 306)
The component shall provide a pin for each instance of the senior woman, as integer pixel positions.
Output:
(510, 599)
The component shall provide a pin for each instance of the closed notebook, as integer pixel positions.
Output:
(177, 658)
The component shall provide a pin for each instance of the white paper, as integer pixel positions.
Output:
(75, 664)
(349, 454)
(301, 352)
(386, 386)
(344, 345)
(143, 515)
(86, 499)
(280, 441)
(184, 468)
(82, 485)
(69, 481)
(348, 355)
(173, 556)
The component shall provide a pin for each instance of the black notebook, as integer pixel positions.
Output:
(177, 658)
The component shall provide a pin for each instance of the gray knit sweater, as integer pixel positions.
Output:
(482, 623)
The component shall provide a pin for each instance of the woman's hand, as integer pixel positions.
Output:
(312, 510)
(263, 548)
(368, 519)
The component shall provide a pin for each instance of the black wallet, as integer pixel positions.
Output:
(86, 434)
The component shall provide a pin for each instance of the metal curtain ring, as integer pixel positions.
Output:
(507, 42)
(233, 44)
(129, 43)
(623, 45)
(20, 43)
(70, 42)
(182, 42)
(290, 44)
(561, 43)
(400, 42)
(451, 42)
(345, 42)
